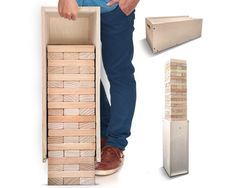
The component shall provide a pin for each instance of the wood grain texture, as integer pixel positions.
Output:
(55, 55)
(87, 181)
(72, 132)
(55, 181)
(55, 139)
(70, 48)
(56, 174)
(73, 63)
(72, 91)
(71, 160)
(71, 105)
(72, 146)
(71, 119)
(72, 181)
(71, 98)
(70, 77)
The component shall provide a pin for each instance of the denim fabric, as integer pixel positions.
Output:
(100, 3)
(117, 53)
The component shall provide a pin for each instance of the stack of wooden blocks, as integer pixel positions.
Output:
(175, 124)
(176, 90)
(71, 114)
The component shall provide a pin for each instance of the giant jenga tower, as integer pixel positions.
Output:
(71, 114)
(175, 124)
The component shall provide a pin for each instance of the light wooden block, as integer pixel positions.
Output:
(71, 56)
(86, 55)
(72, 132)
(86, 84)
(87, 111)
(71, 105)
(86, 98)
(166, 32)
(71, 125)
(55, 84)
(71, 48)
(71, 139)
(55, 70)
(71, 112)
(71, 70)
(55, 181)
(87, 147)
(72, 153)
(55, 56)
(55, 112)
(71, 98)
(71, 91)
(87, 70)
(55, 125)
(55, 98)
(71, 167)
(87, 139)
(73, 63)
(55, 167)
(71, 84)
(71, 160)
(71, 119)
(72, 181)
(67, 77)
(55, 139)
(85, 167)
(54, 154)
(87, 153)
(89, 125)
(87, 181)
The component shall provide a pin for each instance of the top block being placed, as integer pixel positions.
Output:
(166, 32)
(70, 40)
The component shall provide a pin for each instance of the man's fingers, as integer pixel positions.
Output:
(112, 2)
(68, 9)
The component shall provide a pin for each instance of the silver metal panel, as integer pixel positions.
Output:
(175, 147)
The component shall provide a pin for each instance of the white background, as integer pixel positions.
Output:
(211, 96)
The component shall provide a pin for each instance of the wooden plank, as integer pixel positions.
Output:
(87, 125)
(71, 125)
(56, 154)
(64, 174)
(55, 70)
(55, 139)
(71, 105)
(55, 181)
(55, 84)
(71, 119)
(73, 167)
(71, 56)
(86, 55)
(73, 63)
(72, 132)
(70, 48)
(87, 139)
(55, 112)
(86, 111)
(71, 77)
(86, 84)
(72, 153)
(86, 98)
(85, 167)
(71, 139)
(87, 153)
(87, 70)
(56, 167)
(71, 91)
(71, 84)
(87, 181)
(55, 125)
(72, 181)
(71, 98)
(71, 112)
(71, 160)
(71, 70)
(55, 98)
(71, 146)
(55, 55)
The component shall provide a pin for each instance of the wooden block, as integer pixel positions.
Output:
(86, 55)
(55, 56)
(85, 84)
(71, 139)
(71, 56)
(71, 70)
(55, 112)
(72, 181)
(77, 63)
(71, 112)
(87, 153)
(53, 154)
(71, 125)
(66, 174)
(89, 125)
(55, 70)
(72, 132)
(88, 147)
(72, 153)
(60, 77)
(71, 98)
(71, 160)
(55, 84)
(71, 104)
(87, 70)
(87, 111)
(55, 98)
(55, 139)
(71, 91)
(86, 98)
(55, 181)
(87, 181)
(71, 119)
(55, 167)
(70, 167)
(70, 48)
(87, 167)
(71, 84)
(87, 139)
(55, 125)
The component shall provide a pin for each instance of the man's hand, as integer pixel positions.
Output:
(127, 6)
(68, 9)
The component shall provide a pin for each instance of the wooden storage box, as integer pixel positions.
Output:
(166, 32)
(71, 78)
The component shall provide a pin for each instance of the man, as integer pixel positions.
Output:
(117, 26)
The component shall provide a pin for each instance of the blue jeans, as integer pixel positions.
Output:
(117, 53)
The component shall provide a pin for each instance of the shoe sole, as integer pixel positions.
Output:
(107, 172)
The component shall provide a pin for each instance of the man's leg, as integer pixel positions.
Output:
(117, 54)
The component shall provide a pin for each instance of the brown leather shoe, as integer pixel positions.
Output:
(111, 161)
